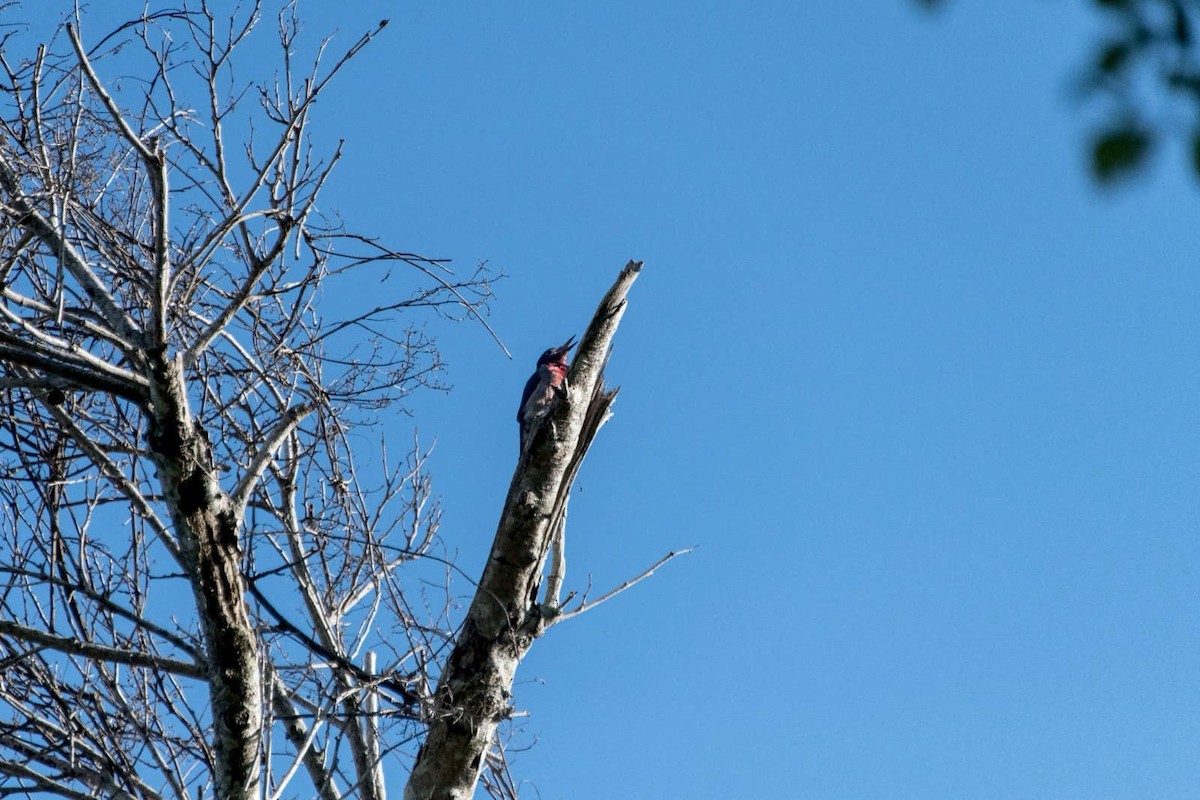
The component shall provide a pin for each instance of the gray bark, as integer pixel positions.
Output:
(207, 531)
(505, 618)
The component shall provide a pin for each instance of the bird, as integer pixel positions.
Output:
(548, 381)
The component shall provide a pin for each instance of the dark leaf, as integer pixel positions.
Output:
(1185, 81)
(1119, 152)
(1182, 28)
(1113, 57)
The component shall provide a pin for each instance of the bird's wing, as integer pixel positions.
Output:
(530, 385)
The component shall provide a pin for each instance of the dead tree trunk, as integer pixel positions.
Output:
(505, 616)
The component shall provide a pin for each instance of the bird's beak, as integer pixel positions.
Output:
(565, 346)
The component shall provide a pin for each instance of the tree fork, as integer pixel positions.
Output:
(474, 689)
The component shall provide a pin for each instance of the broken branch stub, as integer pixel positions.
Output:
(504, 618)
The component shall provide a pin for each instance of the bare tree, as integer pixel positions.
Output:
(194, 564)
(203, 591)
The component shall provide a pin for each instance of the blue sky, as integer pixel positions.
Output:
(925, 399)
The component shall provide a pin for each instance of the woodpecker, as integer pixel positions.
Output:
(543, 386)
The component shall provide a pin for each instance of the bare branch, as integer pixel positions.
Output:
(118, 478)
(304, 742)
(20, 209)
(262, 459)
(589, 605)
(99, 652)
(108, 605)
(146, 152)
(71, 372)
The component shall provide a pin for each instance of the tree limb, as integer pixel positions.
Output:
(589, 605)
(100, 652)
(128, 332)
(504, 617)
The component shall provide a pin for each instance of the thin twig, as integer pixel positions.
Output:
(588, 606)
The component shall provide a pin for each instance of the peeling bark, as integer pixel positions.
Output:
(474, 691)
